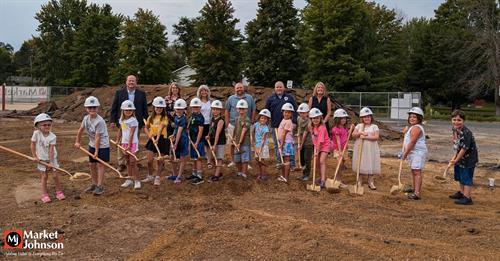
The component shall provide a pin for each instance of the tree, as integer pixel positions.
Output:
(24, 59)
(217, 58)
(94, 46)
(6, 65)
(143, 50)
(271, 52)
(187, 38)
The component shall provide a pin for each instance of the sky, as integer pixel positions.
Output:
(17, 22)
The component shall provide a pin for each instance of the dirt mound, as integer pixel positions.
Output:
(71, 108)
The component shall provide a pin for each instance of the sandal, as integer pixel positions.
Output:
(45, 198)
(60, 195)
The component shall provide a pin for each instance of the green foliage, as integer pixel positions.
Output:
(24, 58)
(6, 65)
(187, 38)
(143, 50)
(217, 57)
(271, 53)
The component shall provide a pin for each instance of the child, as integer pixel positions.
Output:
(321, 142)
(465, 159)
(415, 150)
(127, 133)
(179, 140)
(242, 139)
(305, 146)
(43, 148)
(367, 132)
(339, 138)
(261, 131)
(195, 128)
(286, 142)
(217, 137)
(95, 127)
(156, 130)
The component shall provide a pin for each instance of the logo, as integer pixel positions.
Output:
(13, 239)
(285, 98)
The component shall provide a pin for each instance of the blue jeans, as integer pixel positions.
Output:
(276, 151)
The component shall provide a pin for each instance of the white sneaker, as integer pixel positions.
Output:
(127, 183)
(148, 178)
(157, 181)
(231, 164)
(137, 184)
(250, 167)
(241, 174)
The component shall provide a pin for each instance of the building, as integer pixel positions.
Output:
(183, 76)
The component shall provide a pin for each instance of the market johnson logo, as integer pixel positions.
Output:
(30, 240)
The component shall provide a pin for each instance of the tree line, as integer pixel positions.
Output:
(350, 45)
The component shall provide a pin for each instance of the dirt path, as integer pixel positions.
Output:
(245, 219)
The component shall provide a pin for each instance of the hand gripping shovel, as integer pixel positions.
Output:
(357, 189)
(212, 151)
(159, 157)
(172, 149)
(257, 155)
(333, 185)
(103, 163)
(78, 176)
(400, 186)
(313, 186)
(233, 142)
(120, 147)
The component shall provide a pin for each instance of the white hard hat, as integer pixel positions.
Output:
(195, 102)
(303, 107)
(242, 104)
(159, 102)
(42, 117)
(91, 101)
(340, 113)
(216, 104)
(315, 112)
(365, 112)
(180, 104)
(287, 107)
(265, 112)
(127, 105)
(416, 110)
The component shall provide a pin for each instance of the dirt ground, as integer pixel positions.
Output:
(238, 219)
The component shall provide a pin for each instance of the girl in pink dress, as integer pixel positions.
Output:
(339, 136)
(320, 141)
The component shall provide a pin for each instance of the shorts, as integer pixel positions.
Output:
(200, 148)
(264, 154)
(163, 146)
(229, 131)
(416, 160)
(41, 167)
(133, 147)
(219, 151)
(243, 156)
(464, 175)
(103, 154)
(182, 148)
(288, 149)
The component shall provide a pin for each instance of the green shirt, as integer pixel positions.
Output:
(240, 124)
(303, 125)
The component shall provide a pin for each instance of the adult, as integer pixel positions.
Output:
(203, 94)
(274, 104)
(231, 113)
(321, 101)
(174, 93)
(138, 97)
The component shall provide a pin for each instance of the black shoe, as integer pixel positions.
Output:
(192, 177)
(90, 189)
(408, 190)
(99, 190)
(413, 196)
(457, 195)
(197, 181)
(464, 201)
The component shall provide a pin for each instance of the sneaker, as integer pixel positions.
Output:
(278, 166)
(137, 184)
(457, 195)
(343, 185)
(413, 196)
(177, 181)
(157, 181)
(305, 178)
(231, 164)
(282, 179)
(148, 178)
(322, 184)
(241, 174)
(214, 178)
(45, 198)
(60, 195)
(99, 190)
(250, 167)
(193, 176)
(262, 177)
(464, 201)
(90, 189)
(371, 185)
(197, 181)
(127, 183)
(171, 177)
(408, 190)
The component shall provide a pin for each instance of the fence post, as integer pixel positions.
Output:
(360, 94)
(3, 97)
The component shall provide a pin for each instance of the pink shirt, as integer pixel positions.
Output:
(320, 138)
(286, 125)
(342, 134)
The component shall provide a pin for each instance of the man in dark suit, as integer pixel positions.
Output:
(138, 97)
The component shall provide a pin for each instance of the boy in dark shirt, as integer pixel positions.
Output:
(197, 150)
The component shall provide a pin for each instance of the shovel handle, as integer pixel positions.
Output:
(100, 161)
(277, 144)
(233, 142)
(172, 148)
(212, 150)
(195, 149)
(123, 149)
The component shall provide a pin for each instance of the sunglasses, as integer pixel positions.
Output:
(92, 108)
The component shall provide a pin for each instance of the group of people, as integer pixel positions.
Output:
(212, 124)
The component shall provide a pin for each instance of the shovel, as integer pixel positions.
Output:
(400, 186)
(333, 185)
(172, 149)
(78, 176)
(155, 144)
(279, 150)
(444, 178)
(195, 149)
(233, 142)
(313, 186)
(212, 150)
(357, 189)
(298, 143)
(103, 163)
(123, 149)
(257, 155)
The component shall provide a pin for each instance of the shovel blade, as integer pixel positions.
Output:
(394, 189)
(313, 187)
(360, 190)
(354, 189)
(331, 183)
